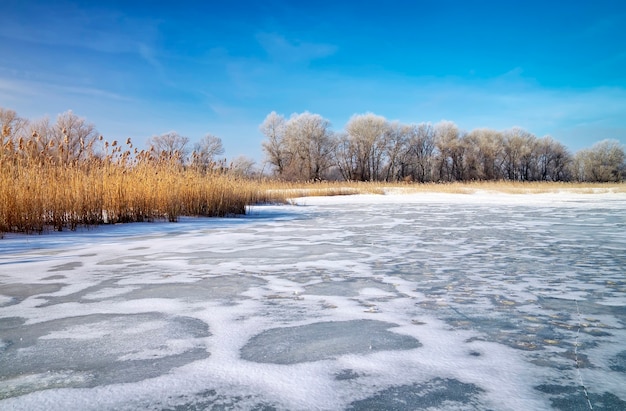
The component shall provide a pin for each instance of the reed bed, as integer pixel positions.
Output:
(322, 188)
(41, 193)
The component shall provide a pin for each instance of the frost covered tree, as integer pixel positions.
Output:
(472, 159)
(397, 139)
(242, 166)
(368, 135)
(345, 158)
(40, 139)
(604, 162)
(490, 147)
(450, 151)
(309, 142)
(205, 152)
(11, 125)
(420, 152)
(300, 148)
(273, 128)
(74, 138)
(170, 146)
(518, 154)
(553, 160)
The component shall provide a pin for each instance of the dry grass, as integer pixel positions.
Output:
(516, 187)
(38, 194)
(324, 188)
(291, 190)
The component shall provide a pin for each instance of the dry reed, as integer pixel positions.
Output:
(39, 193)
(291, 189)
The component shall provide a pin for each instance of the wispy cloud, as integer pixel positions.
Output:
(27, 89)
(90, 28)
(148, 54)
(282, 50)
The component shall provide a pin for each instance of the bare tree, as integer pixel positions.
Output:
(472, 159)
(448, 141)
(397, 139)
(309, 143)
(604, 162)
(11, 127)
(273, 127)
(491, 152)
(170, 146)
(421, 148)
(345, 157)
(519, 146)
(368, 134)
(553, 160)
(579, 165)
(41, 139)
(205, 152)
(242, 166)
(74, 138)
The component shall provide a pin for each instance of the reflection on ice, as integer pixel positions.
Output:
(364, 302)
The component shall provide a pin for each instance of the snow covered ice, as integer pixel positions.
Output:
(425, 301)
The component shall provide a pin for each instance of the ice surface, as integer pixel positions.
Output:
(427, 301)
(324, 340)
(435, 394)
(97, 349)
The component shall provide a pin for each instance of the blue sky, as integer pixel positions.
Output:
(137, 69)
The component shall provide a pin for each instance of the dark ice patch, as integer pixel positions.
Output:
(572, 398)
(20, 292)
(88, 361)
(346, 374)
(53, 277)
(66, 267)
(78, 295)
(222, 287)
(214, 288)
(212, 400)
(434, 394)
(10, 322)
(585, 307)
(323, 341)
(618, 363)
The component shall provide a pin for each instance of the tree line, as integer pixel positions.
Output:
(304, 147)
(372, 148)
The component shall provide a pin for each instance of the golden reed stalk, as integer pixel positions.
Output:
(39, 192)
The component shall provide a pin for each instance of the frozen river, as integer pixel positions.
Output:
(399, 302)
